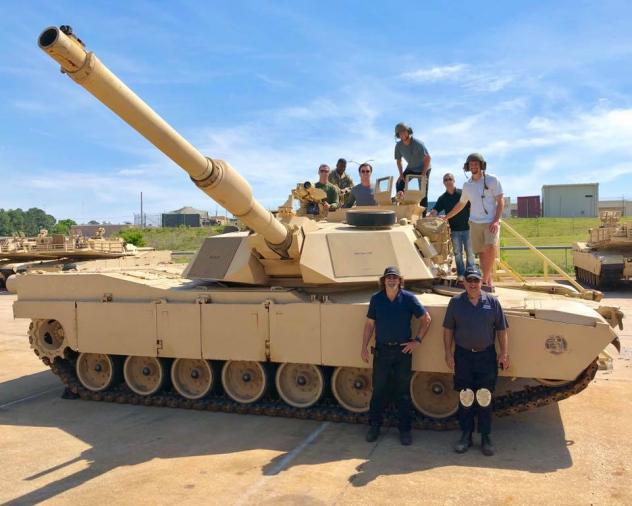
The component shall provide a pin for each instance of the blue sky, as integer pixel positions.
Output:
(542, 89)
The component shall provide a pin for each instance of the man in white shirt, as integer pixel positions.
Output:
(485, 194)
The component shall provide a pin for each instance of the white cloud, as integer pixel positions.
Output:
(434, 74)
(485, 79)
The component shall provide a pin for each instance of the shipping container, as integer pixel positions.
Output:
(529, 207)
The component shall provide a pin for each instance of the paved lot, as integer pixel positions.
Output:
(76, 452)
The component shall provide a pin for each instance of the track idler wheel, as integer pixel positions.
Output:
(300, 385)
(98, 372)
(352, 388)
(433, 394)
(47, 338)
(145, 375)
(192, 378)
(244, 381)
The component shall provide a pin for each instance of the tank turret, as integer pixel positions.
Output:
(295, 252)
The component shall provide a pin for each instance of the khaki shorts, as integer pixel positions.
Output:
(481, 237)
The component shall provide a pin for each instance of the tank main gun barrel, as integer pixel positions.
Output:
(216, 178)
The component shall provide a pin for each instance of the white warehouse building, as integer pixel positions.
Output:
(570, 200)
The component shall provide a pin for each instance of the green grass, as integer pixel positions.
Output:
(178, 239)
(546, 232)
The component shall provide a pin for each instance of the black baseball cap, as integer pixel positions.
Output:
(391, 269)
(472, 272)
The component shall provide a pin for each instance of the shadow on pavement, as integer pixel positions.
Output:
(28, 385)
(125, 435)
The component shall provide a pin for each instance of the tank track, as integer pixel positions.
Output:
(327, 409)
(609, 277)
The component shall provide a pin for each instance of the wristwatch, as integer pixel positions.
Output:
(417, 338)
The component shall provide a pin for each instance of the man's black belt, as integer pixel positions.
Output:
(390, 344)
(476, 350)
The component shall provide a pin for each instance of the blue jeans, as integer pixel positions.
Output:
(460, 240)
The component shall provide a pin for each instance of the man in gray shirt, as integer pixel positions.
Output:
(416, 156)
(474, 321)
(363, 194)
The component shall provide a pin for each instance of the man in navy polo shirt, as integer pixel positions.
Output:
(474, 321)
(390, 313)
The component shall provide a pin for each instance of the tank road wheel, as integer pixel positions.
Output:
(47, 338)
(352, 388)
(192, 378)
(97, 372)
(243, 381)
(145, 375)
(432, 394)
(300, 385)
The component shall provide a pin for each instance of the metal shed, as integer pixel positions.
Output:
(570, 200)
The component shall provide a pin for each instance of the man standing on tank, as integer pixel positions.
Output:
(416, 156)
(485, 194)
(363, 194)
(341, 179)
(389, 315)
(459, 226)
(473, 322)
(331, 202)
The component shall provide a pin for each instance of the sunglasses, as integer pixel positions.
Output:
(472, 280)
(391, 276)
(448, 179)
(365, 172)
(323, 170)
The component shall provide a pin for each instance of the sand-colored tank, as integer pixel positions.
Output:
(58, 252)
(606, 259)
(269, 321)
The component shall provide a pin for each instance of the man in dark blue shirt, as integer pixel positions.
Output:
(473, 321)
(390, 313)
(459, 224)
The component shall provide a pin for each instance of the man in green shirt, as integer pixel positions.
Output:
(331, 203)
(341, 179)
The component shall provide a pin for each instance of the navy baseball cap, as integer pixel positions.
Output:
(472, 272)
(392, 269)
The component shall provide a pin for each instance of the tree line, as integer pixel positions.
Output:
(14, 221)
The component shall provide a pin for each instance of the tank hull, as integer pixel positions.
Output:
(120, 314)
(602, 268)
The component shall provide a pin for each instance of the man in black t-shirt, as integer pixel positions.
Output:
(459, 226)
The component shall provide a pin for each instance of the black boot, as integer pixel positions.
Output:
(464, 443)
(372, 434)
(405, 437)
(486, 445)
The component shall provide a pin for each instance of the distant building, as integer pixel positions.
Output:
(529, 207)
(570, 200)
(187, 216)
(90, 230)
(623, 206)
(507, 208)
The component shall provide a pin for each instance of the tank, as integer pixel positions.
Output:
(58, 252)
(269, 320)
(606, 259)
